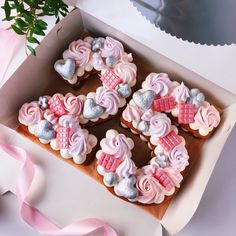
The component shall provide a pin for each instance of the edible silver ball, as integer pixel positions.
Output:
(194, 92)
(97, 44)
(110, 61)
(43, 102)
(200, 97)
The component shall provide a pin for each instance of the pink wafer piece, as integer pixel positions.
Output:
(170, 141)
(56, 106)
(109, 162)
(62, 137)
(164, 179)
(110, 79)
(186, 113)
(164, 104)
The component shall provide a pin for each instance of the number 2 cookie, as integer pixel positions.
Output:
(107, 58)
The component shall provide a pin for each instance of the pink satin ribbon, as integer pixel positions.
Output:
(87, 227)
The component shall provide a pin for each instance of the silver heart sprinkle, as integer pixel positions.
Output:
(144, 99)
(91, 109)
(142, 126)
(124, 90)
(43, 102)
(44, 130)
(66, 68)
(126, 188)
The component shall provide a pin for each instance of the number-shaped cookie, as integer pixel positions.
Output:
(56, 119)
(146, 115)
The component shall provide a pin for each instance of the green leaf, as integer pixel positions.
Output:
(32, 40)
(7, 9)
(58, 19)
(32, 50)
(22, 24)
(41, 24)
(38, 31)
(28, 17)
(17, 30)
(19, 6)
(9, 18)
(31, 3)
(63, 13)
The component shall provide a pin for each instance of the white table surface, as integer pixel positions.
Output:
(216, 213)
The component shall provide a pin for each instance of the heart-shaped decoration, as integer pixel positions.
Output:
(144, 99)
(66, 68)
(143, 126)
(44, 130)
(124, 90)
(91, 109)
(125, 188)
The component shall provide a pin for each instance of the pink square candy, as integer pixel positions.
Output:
(164, 104)
(186, 113)
(110, 79)
(109, 162)
(62, 137)
(164, 179)
(56, 106)
(170, 141)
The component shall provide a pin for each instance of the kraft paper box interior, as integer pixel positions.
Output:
(73, 189)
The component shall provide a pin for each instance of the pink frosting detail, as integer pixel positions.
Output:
(79, 51)
(207, 117)
(178, 157)
(113, 48)
(68, 121)
(159, 83)
(117, 145)
(160, 125)
(148, 186)
(108, 98)
(73, 105)
(147, 115)
(126, 168)
(127, 58)
(131, 113)
(50, 116)
(126, 71)
(30, 114)
(181, 93)
(79, 140)
(174, 175)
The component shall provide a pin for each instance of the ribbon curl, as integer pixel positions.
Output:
(34, 218)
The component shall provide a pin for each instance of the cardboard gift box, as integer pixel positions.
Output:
(64, 193)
